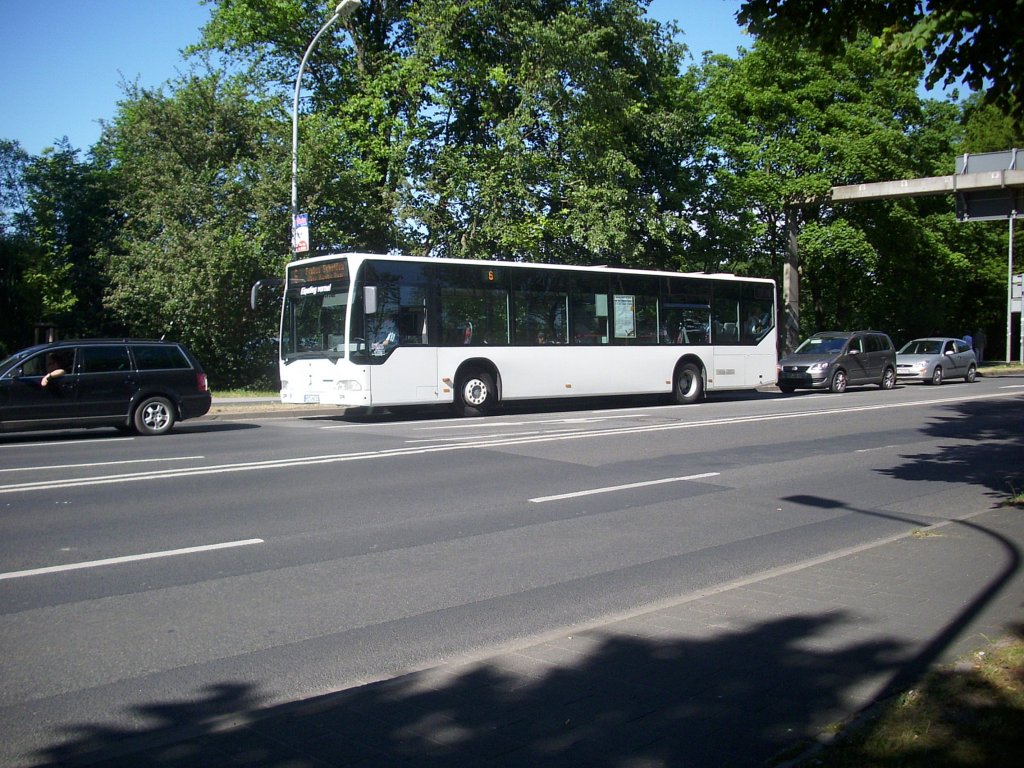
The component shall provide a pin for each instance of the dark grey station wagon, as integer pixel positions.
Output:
(131, 384)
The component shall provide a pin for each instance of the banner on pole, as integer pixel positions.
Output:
(300, 233)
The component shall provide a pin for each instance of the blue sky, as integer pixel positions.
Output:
(63, 61)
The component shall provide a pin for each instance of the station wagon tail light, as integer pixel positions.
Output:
(201, 382)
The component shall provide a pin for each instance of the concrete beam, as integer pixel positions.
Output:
(935, 185)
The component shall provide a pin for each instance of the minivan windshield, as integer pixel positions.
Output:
(821, 345)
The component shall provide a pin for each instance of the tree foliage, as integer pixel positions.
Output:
(977, 42)
(469, 128)
(55, 217)
(791, 123)
(202, 196)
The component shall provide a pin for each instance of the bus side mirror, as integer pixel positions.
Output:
(370, 300)
(269, 282)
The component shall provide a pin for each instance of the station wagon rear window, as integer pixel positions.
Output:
(153, 357)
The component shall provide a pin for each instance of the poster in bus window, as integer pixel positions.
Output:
(625, 316)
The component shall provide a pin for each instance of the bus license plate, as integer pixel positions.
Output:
(311, 399)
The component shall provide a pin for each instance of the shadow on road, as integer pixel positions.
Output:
(736, 698)
(988, 452)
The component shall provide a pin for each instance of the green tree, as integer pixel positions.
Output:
(986, 128)
(71, 220)
(469, 128)
(18, 299)
(791, 123)
(203, 199)
(354, 108)
(977, 42)
(56, 215)
(533, 149)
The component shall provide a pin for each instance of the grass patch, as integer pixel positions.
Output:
(1000, 369)
(245, 393)
(969, 713)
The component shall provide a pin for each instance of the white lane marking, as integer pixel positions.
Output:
(474, 437)
(1012, 386)
(876, 448)
(100, 464)
(465, 425)
(628, 486)
(128, 559)
(512, 440)
(66, 442)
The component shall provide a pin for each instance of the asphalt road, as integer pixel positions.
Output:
(262, 558)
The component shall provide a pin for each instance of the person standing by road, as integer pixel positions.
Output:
(979, 345)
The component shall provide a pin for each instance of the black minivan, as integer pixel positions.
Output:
(126, 383)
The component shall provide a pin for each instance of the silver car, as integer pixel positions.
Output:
(935, 359)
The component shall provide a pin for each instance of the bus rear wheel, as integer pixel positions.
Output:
(476, 394)
(689, 384)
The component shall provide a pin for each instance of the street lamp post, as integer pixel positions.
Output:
(344, 9)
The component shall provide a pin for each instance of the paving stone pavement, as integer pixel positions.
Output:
(745, 674)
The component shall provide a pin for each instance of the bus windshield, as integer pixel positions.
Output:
(314, 319)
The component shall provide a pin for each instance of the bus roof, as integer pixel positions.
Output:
(361, 256)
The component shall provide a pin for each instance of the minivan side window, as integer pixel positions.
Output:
(153, 357)
(103, 359)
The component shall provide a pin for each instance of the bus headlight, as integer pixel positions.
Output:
(349, 385)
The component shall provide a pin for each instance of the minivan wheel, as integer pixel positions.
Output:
(154, 416)
(888, 379)
(838, 384)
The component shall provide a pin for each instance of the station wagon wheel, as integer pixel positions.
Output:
(154, 416)
(689, 384)
(476, 394)
(937, 375)
(838, 384)
(972, 374)
(888, 379)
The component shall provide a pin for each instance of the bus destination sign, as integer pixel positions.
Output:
(320, 272)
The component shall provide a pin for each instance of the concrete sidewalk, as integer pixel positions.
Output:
(746, 673)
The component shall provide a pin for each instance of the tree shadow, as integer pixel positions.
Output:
(988, 452)
(595, 699)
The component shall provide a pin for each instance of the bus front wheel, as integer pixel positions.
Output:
(476, 394)
(689, 384)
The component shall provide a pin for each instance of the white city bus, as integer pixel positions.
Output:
(374, 330)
